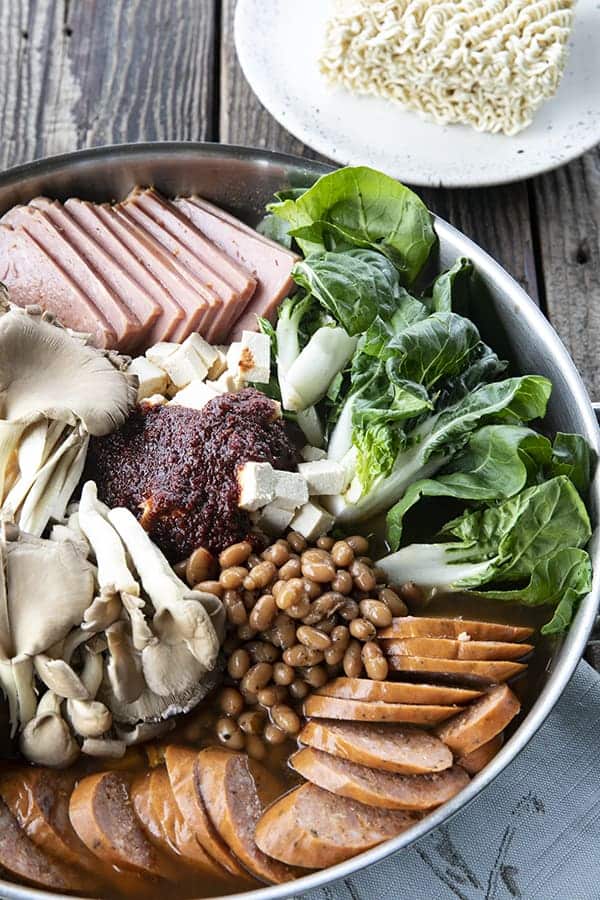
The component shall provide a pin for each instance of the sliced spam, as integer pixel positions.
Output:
(313, 827)
(34, 276)
(446, 648)
(236, 794)
(270, 263)
(386, 790)
(396, 691)
(417, 626)
(375, 711)
(491, 671)
(481, 721)
(393, 748)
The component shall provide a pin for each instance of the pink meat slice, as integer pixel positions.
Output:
(115, 274)
(32, 276)
(39, 226)
(190, 296)
(269, 262)
(230, 281)
(171, 314)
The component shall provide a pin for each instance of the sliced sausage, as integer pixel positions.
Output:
(25, 860)
(409, 751)
(478, 759)
(102, 815)
(55, 243)
(269, 262)
(396, 691)
(480, 670)
(39, 801)
(445, 648)
(182, 771)
(417, 626)
(33, 276)
(171, 314)
(194, 298)
(141, 304)
(481, 721)
(386, 790)
(312, 827)
(375, 711)
(235, 795)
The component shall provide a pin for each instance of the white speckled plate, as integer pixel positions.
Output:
(278, 44)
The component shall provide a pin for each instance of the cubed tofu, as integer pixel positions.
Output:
(205, 351)
(159, 352)
(185, 365)
(195, 395)
(219, 366)
(312, 521)
(274, 519)
(251, 357)
(291, 489)
(323, 476)
(257, 485)
(152, 379)
(229, 383)
(309, 453)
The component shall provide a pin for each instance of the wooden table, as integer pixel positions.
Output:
(78, 73)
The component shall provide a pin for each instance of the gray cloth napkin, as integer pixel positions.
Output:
(533, 834)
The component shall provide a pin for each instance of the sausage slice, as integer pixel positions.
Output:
(477, 760)
(103, 817)
(375, 711)
(25, 860)
(409, 751)
(181, 769)
(39, 801)
(482, 670)
(396, 692)
(386, 790)
(445, 648)
(312, 827)
(235, 795)
(417, 626)
(481, 721)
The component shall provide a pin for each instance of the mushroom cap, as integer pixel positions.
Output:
(89, 718)
(47, 741)
(45, 371)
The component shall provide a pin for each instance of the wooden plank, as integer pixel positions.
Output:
(78, 74)
(496, 218)
(567, 204)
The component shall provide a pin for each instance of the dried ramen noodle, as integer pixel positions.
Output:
(489, 64)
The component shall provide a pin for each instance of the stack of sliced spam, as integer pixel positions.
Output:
(366, 783)
(144, 270)
(455, 649)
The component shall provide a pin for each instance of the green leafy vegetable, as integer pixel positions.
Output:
(572, 456)
(359, 207)
(276, 229)
(453, 290)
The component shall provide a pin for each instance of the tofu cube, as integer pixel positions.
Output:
(219, 365)
(205, 351)
(250, 358)
(274, 519)
(152, 379)
(195, 395)
(323, 476)
(185, 365)
(257, 485)
(312, 521)
(310, 453)
(159, 352)
(291, 489)
(227, 382)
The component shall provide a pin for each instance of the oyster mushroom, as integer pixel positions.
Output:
(144, 731)
(102, 612)
(123, 670)
(89, 718)
(47, 740)
(46, 371)
(10, 435)
(59, 677)
(113, 571)
(105, 748)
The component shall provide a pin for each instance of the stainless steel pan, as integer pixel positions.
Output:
(243, 180)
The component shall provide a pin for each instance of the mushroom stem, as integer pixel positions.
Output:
(92, 672)
(59, 677)
(113, 571)
(123, 669)
(47, 741)
(10, 434)
(16, 680)
(89, 718)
